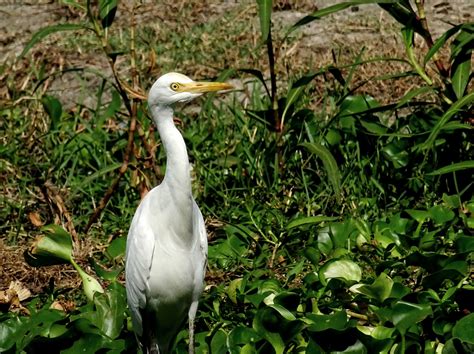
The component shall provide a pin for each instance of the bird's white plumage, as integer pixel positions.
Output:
(167, 242)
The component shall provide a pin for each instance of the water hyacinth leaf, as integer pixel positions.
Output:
(110, 308)
(343, 269)
(117, 247)
(352, 105)
(54, 246)
(464, 244)
(259, 323)
(405, 314)
(380, 289)
(441, 214)
(463, 329)
(319, 322)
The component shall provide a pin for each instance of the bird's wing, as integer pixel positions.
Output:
(200, 227)
(139, 257)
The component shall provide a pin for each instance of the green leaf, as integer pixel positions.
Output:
(232, 289)
(309, 220)
(380, 289)
(460, 73)
(332, 9)
(107, 10)
(352, 105)
(319, 322)
(329, 163)
(440, 214)
(258, 324)
(455, 108)
(343, 269)
(90, 284)
(54, 246)
(408, 97)
(110, 308)
(407, 314)
(440, 42)
(117, 247)
(463, 329)
(54, 109)
(458, 166)
(265, 14)
(46, 31)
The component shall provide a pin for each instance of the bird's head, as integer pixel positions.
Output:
(174, 87)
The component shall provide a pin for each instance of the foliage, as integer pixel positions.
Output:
(347, 229)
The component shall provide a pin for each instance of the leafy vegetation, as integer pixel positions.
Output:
(342, 228)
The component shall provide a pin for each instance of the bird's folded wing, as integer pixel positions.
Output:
(140, 247)
(200, 226)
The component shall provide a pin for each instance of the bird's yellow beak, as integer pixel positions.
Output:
(203, 87)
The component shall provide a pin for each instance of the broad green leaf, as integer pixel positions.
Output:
(441, 214)
(265, 14)
(463, 329)
(54, 246)
(111, 310)
(260, 323)
(458, 166)
(407, 314)
(46, 31)
(419, 215)
(380, 289)
(464, 244)
(309, 220)
(352, 105)
(117, 247)
(320, 322)
(343, 269)
(329, 163)
(242, 335)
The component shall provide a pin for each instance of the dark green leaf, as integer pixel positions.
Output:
(458, 166)
(319, 322)
(463, 329)
(407, 314)
(309, 220)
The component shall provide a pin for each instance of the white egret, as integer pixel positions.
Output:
(167, 242)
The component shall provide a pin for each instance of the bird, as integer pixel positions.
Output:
(166, 251)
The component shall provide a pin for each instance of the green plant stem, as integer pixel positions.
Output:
(420, 5)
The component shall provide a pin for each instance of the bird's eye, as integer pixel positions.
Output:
(174, 86)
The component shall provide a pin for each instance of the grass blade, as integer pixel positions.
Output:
(46, 31)
(458, 166)
(329, 163)
(265, 13)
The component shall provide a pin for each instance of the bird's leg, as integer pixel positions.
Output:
(191, 316)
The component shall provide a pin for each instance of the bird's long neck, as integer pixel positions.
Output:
(177, 174)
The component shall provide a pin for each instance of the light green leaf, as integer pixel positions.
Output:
(380, 289)
(343, 269)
